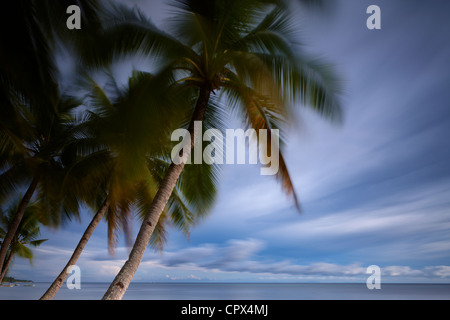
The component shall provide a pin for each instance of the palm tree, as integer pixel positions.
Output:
(40, 142)
(26, 77)
(34, 114)
(241, 54)
(26, 234)
(115, 162)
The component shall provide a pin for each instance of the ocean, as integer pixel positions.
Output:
(239, 291)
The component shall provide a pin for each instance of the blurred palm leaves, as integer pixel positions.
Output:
(122, 147)
(26, 235)
(246, 52)
(112, 142)
(243, 53)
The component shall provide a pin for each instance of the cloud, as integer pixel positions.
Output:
(189, 277)
(439, 271)
(401, 271)
(109, 270)
(404, 226)
(213, 256)
(242, 257)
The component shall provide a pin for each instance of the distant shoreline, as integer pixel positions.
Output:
(12, 279)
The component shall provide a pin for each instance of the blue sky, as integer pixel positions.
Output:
(374, 190)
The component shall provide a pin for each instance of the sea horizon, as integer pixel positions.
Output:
(239, 291)
(249, 282)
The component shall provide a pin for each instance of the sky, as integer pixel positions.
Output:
(374, 190)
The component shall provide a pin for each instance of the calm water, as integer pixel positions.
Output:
(239, 291)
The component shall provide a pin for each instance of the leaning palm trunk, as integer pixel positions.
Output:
(121, 282)
(56, 285)
(6, 265)
(16, 222)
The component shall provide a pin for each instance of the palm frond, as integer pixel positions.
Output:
(259, 113)
(22, 251)
(128, 32)
(37, 243)
(308, 82)
(159, 235)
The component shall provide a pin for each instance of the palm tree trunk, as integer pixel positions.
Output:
(17, 219)
(56, 285)
(122, 280)
(6, 265)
